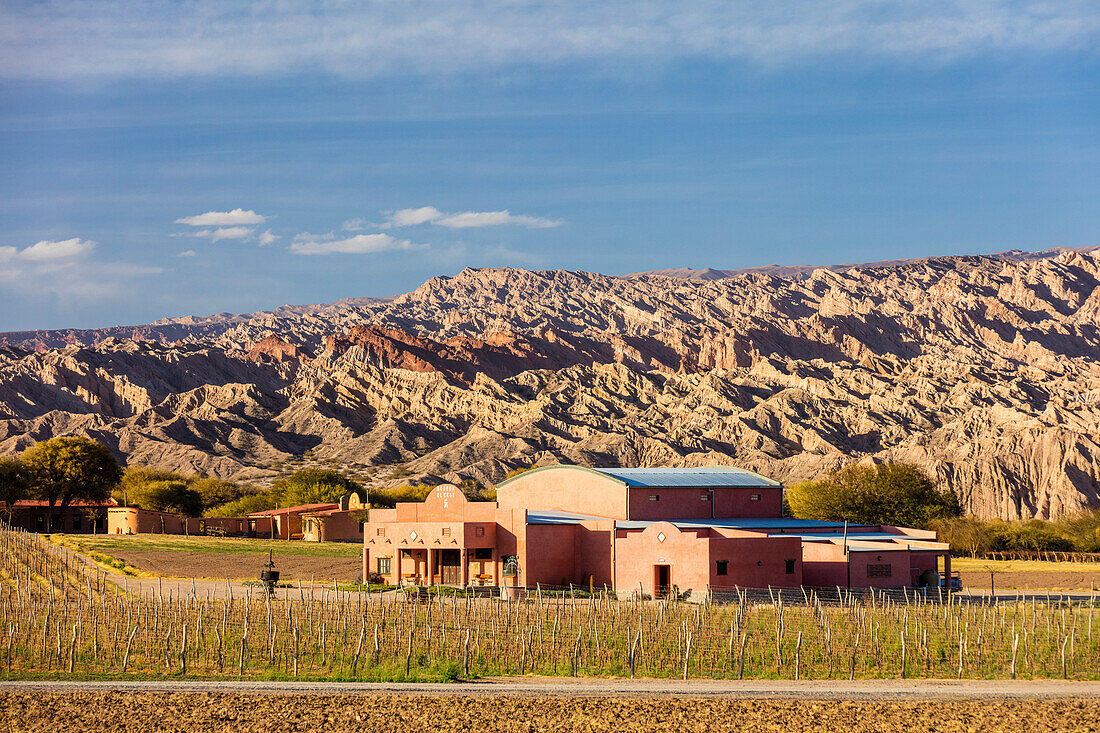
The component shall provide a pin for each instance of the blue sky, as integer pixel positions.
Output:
(163, 159)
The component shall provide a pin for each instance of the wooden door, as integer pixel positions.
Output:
(450, 562)
(662, 575)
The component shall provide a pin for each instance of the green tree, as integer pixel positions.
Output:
(259, 502)
(890, 493)
(136, 479)
(215, 491)
(167, 496)
(14, 483)
(314, 486)
(67, 469)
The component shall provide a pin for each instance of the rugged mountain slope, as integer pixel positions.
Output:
(984, 370)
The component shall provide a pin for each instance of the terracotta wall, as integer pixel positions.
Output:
(825, 566)
(695, 503)
(131, 520)
(753, 561)
(565, 488)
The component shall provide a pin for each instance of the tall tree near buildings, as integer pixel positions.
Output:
(67, 469)
(13, 484)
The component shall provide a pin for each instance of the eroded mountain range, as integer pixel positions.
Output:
(984, 370)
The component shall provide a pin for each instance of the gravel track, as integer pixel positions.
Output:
(567, 687)
(143, 710)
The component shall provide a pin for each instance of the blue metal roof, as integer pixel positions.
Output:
(553, 516)
(709, 477)
(758, 523)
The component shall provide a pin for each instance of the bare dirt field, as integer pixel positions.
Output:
(197, 712)
(1027, 575)
(217, 565)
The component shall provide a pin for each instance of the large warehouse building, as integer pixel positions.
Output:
(641, 530)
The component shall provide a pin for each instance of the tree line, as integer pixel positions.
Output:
(902, 495)
(64, 470)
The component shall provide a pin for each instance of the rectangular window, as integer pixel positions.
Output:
(483, 553)
(381, 531)
(76, 522)
(446, 531)
(704, 497)
(479, 531)
(790, 567)
(755, 497)
(723, 567)
(879, 571)
(384, 566)
(654, 497)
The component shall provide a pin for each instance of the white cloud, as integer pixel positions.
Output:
(234, 218)
(469, 219)
(412, 217)
(216, 235)
(267, 238)
(187, 253)
(355, 225)
(65, 249)
(463, 220)
(309, 244)
(62, 39)
(62, 269)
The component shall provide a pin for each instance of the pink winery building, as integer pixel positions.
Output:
(638, 530)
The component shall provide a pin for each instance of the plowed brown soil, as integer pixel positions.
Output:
(218, 565)
(134, 712)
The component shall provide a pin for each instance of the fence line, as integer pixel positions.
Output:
(60, 616)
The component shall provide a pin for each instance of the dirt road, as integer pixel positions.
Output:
(551, 706)
(572, 687)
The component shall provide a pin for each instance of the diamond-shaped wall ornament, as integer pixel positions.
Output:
(412, 535)
(660, 536)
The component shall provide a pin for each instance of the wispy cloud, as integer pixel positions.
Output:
(462, 220)
(64, 269)
(216, 235)
(468, 219)
(234, 218)
(187, 253)
(112, 38)
(267, 238)
(327, 244)
(65, 249)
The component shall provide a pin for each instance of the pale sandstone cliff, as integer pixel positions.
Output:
(984, 370)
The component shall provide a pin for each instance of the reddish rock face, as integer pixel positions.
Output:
(275, 349)
(460, 358)
(982, 370)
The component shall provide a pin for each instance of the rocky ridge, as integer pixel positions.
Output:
(984, 370)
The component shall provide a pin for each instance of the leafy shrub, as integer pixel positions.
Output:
(889, 493)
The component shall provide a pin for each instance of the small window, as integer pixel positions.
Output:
(479, 531)
(384, 566)
(381, 532)
(883, 570)
(722, 567)
(755, 497)
(76, 522)
(654, 497)
(446, 531)
(704, 497)
(790, 567)
(483, 553)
